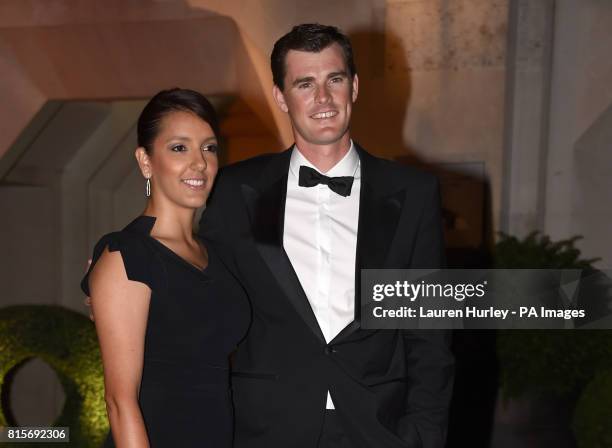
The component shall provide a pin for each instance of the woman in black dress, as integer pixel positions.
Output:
(167, 312)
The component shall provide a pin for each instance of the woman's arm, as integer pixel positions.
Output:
(121, 307)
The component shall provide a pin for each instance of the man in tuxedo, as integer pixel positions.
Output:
(296, 228)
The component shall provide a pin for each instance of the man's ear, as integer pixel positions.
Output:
(279, 98)
(144, 162)
(355, 88)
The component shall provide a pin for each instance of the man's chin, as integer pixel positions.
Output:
(326, 137)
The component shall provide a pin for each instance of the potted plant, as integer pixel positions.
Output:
(554, 382)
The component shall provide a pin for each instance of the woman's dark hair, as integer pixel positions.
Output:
(173, 100)
(311, 37)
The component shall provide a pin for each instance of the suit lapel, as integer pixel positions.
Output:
(380, 207)
(266, 204)
(379, 212)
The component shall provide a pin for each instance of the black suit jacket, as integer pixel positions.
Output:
(391, 388)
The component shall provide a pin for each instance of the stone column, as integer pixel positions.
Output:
(530, 44)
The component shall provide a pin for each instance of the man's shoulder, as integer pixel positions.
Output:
(248, 169)
(400, 174)
(403, 171)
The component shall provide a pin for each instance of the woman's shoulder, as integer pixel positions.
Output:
(133, 241)
(140, 260)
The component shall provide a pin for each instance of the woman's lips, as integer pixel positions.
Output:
(195, 184)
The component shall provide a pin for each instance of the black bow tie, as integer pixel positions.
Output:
(309, 178)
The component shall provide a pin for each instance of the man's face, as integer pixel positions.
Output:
(318, 95)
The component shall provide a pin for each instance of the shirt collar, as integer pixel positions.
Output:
(347, 166)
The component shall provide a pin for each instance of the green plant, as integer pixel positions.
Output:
(558, 363)
(551, 362)
(555, 361)
(539, 252)
(65, 340)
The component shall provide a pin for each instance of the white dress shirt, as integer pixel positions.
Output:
(320, 238)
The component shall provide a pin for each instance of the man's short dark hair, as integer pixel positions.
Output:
(311, 37)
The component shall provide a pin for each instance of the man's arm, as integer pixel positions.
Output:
(428, 354)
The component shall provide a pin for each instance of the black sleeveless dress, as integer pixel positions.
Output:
(196, 319)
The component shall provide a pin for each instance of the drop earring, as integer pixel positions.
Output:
(148, 187)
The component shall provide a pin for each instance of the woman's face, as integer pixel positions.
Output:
(183, 162)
